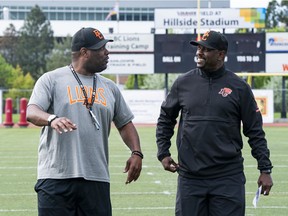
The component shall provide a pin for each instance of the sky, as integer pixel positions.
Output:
(249, 3)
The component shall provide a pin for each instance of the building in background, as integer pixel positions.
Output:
(67, 16)
(129, 10)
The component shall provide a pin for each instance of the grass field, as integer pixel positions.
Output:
(152, 195)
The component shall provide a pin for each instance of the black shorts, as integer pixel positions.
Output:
(73, 197)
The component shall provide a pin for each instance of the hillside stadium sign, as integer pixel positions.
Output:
(210, 18)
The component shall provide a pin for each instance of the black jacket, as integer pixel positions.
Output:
(209, 140)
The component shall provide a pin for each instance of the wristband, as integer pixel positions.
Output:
(267, 171)
(138, 153)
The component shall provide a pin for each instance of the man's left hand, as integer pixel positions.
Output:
(133, 167)
(266, 181)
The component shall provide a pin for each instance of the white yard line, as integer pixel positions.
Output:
(145, 208)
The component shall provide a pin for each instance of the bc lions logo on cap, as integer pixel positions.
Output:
(225, 92)
(98, 34)
(205, 36)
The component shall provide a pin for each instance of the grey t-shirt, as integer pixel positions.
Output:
(83, 152)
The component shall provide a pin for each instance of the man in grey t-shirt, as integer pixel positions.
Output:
(75, 106)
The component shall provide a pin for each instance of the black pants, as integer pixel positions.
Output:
(73, 197)
(223, 196)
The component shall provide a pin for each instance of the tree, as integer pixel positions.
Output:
(8, 45)
(150, 81)
(272, 14)
(21, 84)
(157, 81)
(11, 77)
(35, 43)
(5, 73)
(284, 12)
(14, 79)
(61, 54)
(130, 83)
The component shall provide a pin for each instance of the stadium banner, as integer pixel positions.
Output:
(145, 104)
(277, 42)
(130, 64)
(265, 102)
(210, 18)
(276, 62)
(276, 52)
(174, 53)
(125, 43)
(130, 54)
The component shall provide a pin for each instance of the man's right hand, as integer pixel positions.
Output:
(63, 124)
(169, 164)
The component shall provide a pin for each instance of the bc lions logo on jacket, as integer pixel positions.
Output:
(225, 92)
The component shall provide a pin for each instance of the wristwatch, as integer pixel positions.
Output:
(267, 171)
(51, 118)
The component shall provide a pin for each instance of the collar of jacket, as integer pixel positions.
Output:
(213, 74)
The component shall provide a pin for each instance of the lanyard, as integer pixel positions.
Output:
(86, 101)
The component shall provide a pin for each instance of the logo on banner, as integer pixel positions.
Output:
(262, 104)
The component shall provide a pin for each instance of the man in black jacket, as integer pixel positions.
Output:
(213, 102)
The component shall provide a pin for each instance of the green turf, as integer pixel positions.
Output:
(153, 194)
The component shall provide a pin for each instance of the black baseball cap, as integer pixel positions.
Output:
(89, 38)
(212, 40)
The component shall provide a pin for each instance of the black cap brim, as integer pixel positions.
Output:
(99, 45)
(202, 43)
